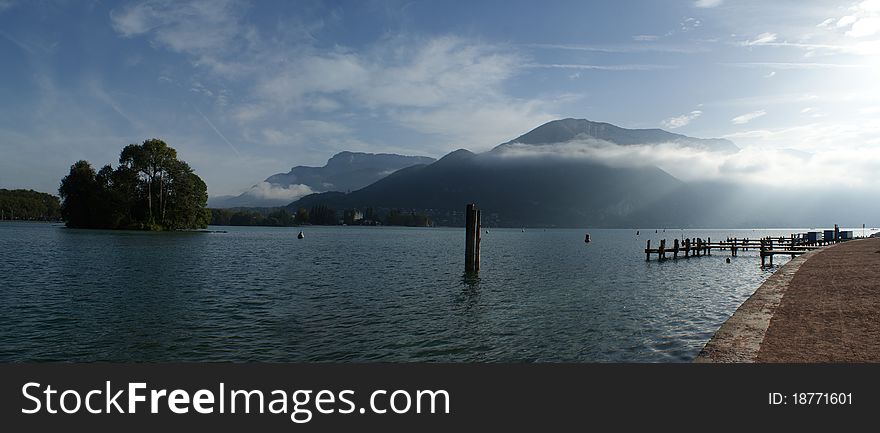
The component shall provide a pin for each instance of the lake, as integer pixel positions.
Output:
(361, 294)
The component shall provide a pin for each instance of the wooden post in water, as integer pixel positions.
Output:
(675, 250)
(687, 247)
(661, 252)
(477, 243)
(470, 238)
(770, 248)
(708, 246)
(648, 251)
(762, 252)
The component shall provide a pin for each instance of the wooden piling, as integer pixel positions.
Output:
(477, 242)
(661, 252)
(470, 238)
(762, 253)
(675, 250)
(648, 251)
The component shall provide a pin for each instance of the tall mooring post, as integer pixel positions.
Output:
(472, 239)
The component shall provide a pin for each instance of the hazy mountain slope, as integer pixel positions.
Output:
(345, 171)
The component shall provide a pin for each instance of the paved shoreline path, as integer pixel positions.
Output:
(821, 307)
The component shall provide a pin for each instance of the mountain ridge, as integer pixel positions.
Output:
(344, 171)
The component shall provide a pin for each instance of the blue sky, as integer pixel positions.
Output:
(245, 89)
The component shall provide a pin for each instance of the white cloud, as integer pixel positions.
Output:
(645, 38)
(795, 65)
(707, 3)
(281, 193)
(770, 74)
(762, 39)
(192, 27)
(825, 24)
(618, 67)
(406, 81)
(827, 167)
(679, 121)
(863, 20)
(748, 117)
(628, 48)
(846, 21)
(868, 26)
(613, 67)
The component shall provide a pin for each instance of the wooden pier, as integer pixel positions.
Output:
(767, 247)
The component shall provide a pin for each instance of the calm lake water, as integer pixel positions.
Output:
(360, 294)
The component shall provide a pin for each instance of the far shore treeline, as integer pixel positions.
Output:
(28, 205)
(150, 189)
(317, 215)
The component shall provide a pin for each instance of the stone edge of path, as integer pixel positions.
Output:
(739, 338)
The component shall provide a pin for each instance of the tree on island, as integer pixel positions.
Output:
(150, 190)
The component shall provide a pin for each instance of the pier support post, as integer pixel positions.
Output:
(661, 252)
(762, 253)
(708, 246)
(675, 250)
(648, 251)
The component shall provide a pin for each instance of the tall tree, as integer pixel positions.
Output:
(152, 161)
(80, 192)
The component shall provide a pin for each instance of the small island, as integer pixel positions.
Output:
(150, 189)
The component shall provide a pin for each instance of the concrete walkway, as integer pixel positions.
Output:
(821, 307)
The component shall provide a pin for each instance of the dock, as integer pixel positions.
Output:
(793, 245)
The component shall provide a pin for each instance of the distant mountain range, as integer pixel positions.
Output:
(345, 171)
(537, 190)
(565, 173)
(567, 130)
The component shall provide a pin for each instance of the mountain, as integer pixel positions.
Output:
(570, 173)
(565, 130)
(345, 171)
(512, 192)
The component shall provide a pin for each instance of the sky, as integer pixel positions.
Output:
(246, 89)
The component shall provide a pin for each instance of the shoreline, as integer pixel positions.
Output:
(739, 338)
(765, 328)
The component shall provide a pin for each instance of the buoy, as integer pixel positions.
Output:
(587, 238)
(637, 232)
(300, 235)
